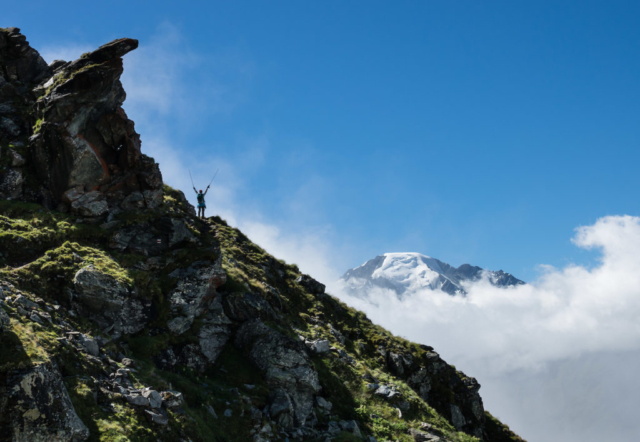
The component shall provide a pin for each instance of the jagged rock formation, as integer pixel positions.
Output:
(77, 142)
(123, 316)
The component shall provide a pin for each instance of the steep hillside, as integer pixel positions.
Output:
(125, 317)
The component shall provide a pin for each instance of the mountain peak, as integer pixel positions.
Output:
(409, 272)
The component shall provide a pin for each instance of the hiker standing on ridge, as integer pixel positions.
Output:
(201, 204)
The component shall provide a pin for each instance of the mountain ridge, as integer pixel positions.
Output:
(123, 316)
(412, 272)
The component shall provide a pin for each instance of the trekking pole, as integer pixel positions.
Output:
(194, 186)
(214, 177)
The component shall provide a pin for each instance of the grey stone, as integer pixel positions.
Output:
(38, 407)
(156, 417)
(133, 201)
(180, 233)
(457, 418)
(421, 436)
(137, 400)
(35, 318)
(172, 399)
(91, 204)
(286, 365)
(320, 346)
(180, 324)
(155, 400)
(25, 302)
(107, 301)
(212, 340)
(90, 344)
(196, 289)
(323, 403)
(281, 409)
(211, 411)
(228, 412)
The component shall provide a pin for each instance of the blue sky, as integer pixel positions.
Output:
(480, 132)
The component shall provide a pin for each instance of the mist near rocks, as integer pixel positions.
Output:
(556, 356)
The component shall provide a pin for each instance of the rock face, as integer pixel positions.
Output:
(431, 373)
(4, 321)
(110, 304)
(158, 274)
(39, 408)
(288, 371)
(79, 137)
(196, 292)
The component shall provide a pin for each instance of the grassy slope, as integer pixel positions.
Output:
(42, 250)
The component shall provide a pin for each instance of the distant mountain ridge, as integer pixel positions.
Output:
(409, 272)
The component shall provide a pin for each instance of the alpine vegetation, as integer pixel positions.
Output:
(124, 316)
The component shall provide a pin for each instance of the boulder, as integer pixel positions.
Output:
(287, 368)
(196, 289)
(39, 407)
(108, 302)
(90, 345)
(155, 399)
(157, 417)
(91, 204)
(137, 400)
(180, 233)
(281, 409)
(24, 302)
(420, 381)
(212, 339)
(323, 403)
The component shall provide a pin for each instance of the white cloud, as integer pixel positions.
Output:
(512, 338)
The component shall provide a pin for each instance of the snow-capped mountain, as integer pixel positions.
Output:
(410, 272)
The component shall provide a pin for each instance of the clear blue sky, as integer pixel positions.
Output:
(479, 132)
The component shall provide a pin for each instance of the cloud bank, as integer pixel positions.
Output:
(565, 313)
(553, 355)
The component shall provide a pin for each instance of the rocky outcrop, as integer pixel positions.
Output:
(464, 408)
(39, 407)
(85, 139)
(109, 303)
(287, 370)
(83, 151)
(196, 293)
